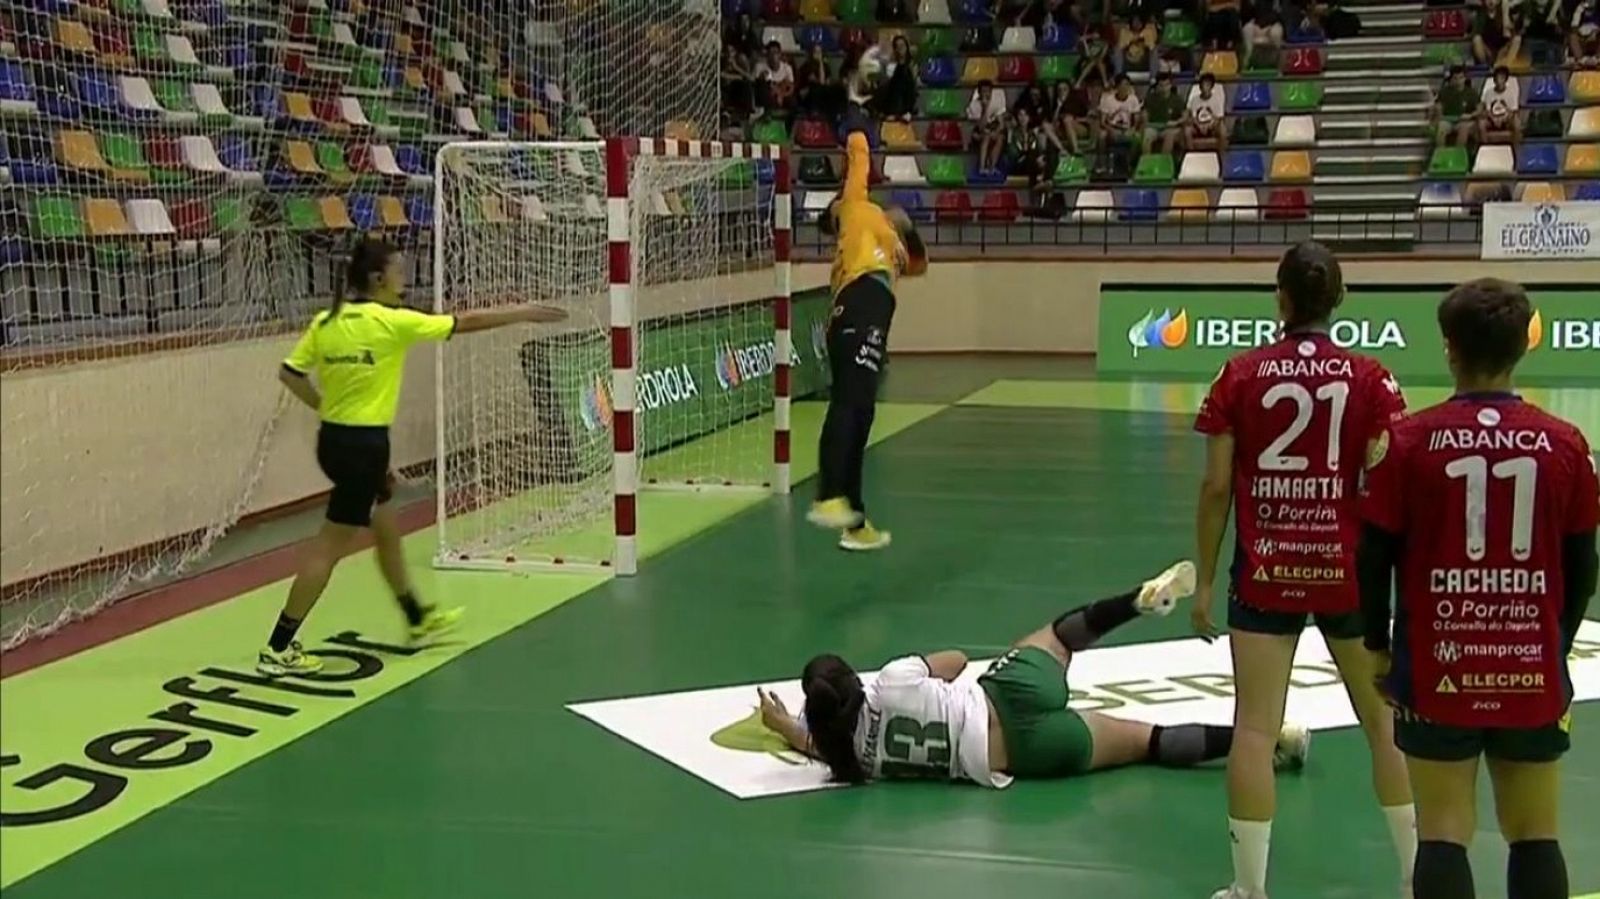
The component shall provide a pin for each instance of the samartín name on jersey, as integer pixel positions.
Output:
(1296, 487)
(1491, 581)
(1305, 368)
(1519, 439)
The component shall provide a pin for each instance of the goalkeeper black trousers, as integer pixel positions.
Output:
(858, 344)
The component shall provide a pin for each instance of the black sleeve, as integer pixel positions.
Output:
(1376, 558)
(294, 371)
(1580, 566)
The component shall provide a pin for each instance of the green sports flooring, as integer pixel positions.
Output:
(1015, 487)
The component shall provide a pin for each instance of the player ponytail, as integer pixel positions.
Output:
(1310, 285)
(833, 706)
(361, 272)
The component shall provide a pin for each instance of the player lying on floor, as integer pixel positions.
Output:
(917, 721)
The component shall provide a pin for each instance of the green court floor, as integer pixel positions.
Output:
(1015, 489)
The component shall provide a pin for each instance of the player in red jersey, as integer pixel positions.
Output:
(1487, 507)
(1288, 426)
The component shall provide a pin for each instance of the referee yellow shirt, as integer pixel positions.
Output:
(359, 358)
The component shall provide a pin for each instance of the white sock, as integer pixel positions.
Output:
(1252, 841)
(1403, 830)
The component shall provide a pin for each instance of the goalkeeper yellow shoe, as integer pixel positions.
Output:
(834, 514)
(864, 539)
(291, 660)
(436, 622)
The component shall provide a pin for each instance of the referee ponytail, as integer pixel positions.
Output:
(833, 706)
(361, 272)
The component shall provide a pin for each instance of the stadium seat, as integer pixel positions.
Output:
(1000, 206)
(1546, 90)
(104, 217)
(1445, 24)
(1302, 62)
(347, 112)
(946, 171)
(953, 206)
(1544, 122)
(1238, 204)
(1017, 70)
(191, 219)
(1585, 124)
(301, 214)
(1287, 204)
(1018, 39)
(1291, 165)
(412, 161)
(785, 37)
(364, 212)
(124, 158)
(939, 71)
(1441, 200)
(1448, 162)
(1245, 165)
(937, 42)
(297, 112)
(1253, 96)
(815, 11)
(1582, 159)
(814, 134)
(1057, 68)
(1540, 192)
(853, 40)
(55, 217)
(97, 95)
(911, 202)
(208, 100)
(1584, 87)
(73, 38)
(1251, 130)
(1295, 131)
(1139, 205)
(777, 10)
(902, 170)
(978, 69)
(1154, 168)
(1180, 33)
(391, 214)
(1224, 64)
(1538, 159)
(1071, 170)
(1494, 160)
(149, 218)
(1442, 55)
(77, 150)
(1300, 96)
(419, 209)
(972, 12)
(945, 135)
(855, 12)
(330, 156)
(810, 36)
(977, 39)
(1054, 38)
(899, 136)
(933, 12)
(769, 131)
(1190, 205)
(1200, 168)
(1093, 206)
(817, 170)
(1588, 191)
(138, 98)
(943, 104)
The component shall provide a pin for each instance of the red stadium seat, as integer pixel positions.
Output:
(852, 39)
(1287, 204)
(1445, 23)
(1303, 61)
(1001, 206)
(191, 218)
(945, 134)
(953, 206)
(814, 134)
(778, 10)
(1017, 69)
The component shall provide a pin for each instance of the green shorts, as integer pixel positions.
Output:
(1423, 739)
(1044, 738)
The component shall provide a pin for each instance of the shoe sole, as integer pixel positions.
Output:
(279, 671)
(425, 637)
(865, 547)
(1177, 582)
(834, 522)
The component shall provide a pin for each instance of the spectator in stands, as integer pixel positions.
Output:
(1029, 153)
(775, 82)
(1583, 44)
(1069, 111)
(738, 84)
(1033, 100)
(1494, 37)
(740, 34)
(1059, 13)
(1544, 20)
(1204, 116)
(986, 110)
(1121, 115)
(1223, 25)
(1455, 109)
(817, 92)
(897, 96)
(1164, 114)
(1501, 120)
(1263, 37)
(1093, 57)
(1136, 46)
(898, 11)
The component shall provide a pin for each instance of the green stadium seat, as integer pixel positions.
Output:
(740, 174)
(302, 214)
(55, 217)
(769, 131)
(129, 7)
(124, 155)
(1252, 131)
(1448, 162)
(173, 95)
(148, 45)
(1300, 95)
(1180, 33)
(1072, 170)
(856, 12)
(946, 171)
(1057, 68)
(331, 157)
(230, 214)
(945, 103)
(937, 42)
(377, 113)
(368, 73)
(1442, 53)
(1155, 168)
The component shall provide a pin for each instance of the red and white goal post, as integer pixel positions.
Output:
(671, 258)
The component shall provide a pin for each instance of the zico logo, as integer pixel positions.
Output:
(213, 705)
(1565, 334)
(736, 366)
(1154, 332)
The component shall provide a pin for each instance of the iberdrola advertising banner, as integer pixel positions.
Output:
(1190, 331)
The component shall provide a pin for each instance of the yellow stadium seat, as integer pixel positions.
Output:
(298, 106)
(1291, 165)
(816, 10)
(301, 159)
(1584, 87)
(74, 37)
(104, 218)
(1582, 159)
(1190, 205)
(900, 136)
(403, 45)
(1221, 63)
(334, 214)
(1541, 192)
(77, 150)
(541, 126)
(678, 129)
(414, 79)
(392, 212)
(1521, 64)
(979, 69)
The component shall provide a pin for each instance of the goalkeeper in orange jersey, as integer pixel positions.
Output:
(875, 247)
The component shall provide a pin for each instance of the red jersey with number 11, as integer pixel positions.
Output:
(1301, 412)
(1482, 489)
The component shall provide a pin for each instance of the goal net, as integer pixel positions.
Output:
(670, 374)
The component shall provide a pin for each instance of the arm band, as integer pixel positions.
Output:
(1580, 566)
(1375, 562)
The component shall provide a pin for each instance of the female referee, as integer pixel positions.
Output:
(875, 246)
(1288, 426)
(356, 349)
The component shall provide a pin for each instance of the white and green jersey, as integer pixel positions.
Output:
(915, 725)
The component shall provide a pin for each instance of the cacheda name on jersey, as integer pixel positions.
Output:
(1242, 333)
(1522, 440)
(1305, 368)
(1296, 487)
(1492, 581)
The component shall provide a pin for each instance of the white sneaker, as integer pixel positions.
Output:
(1234, 892)
(1294, 745)
(1160, 594)
(292, 660)
(864, 539)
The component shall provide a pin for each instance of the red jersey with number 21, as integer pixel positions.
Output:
(1301, 412)
(1482, 490)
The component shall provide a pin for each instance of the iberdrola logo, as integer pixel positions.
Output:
(594, 404)
(728, 373)
(1153, 332)
(1535, 330)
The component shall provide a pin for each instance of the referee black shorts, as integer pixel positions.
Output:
(858, 339)
(356, 460)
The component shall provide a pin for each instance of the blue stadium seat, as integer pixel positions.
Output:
(1547, 90)
(265, 102)
(939, 71)
(12, 249)
(1254, 96)
(911, 202)
(972, 12)
(419, 209)
(1538, 159)
(818, 35)
(235, 153)
(1139, 206)
(766, 171)
(734, 8)
(1057, 39)
(97, 95)
(53, 7)
(236, 56)
(14, 84)
(1244, 165)
(411, 160)
(987, 179)
(209, 12)
(1589, 190)
(364, 211)
(1299, 35)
